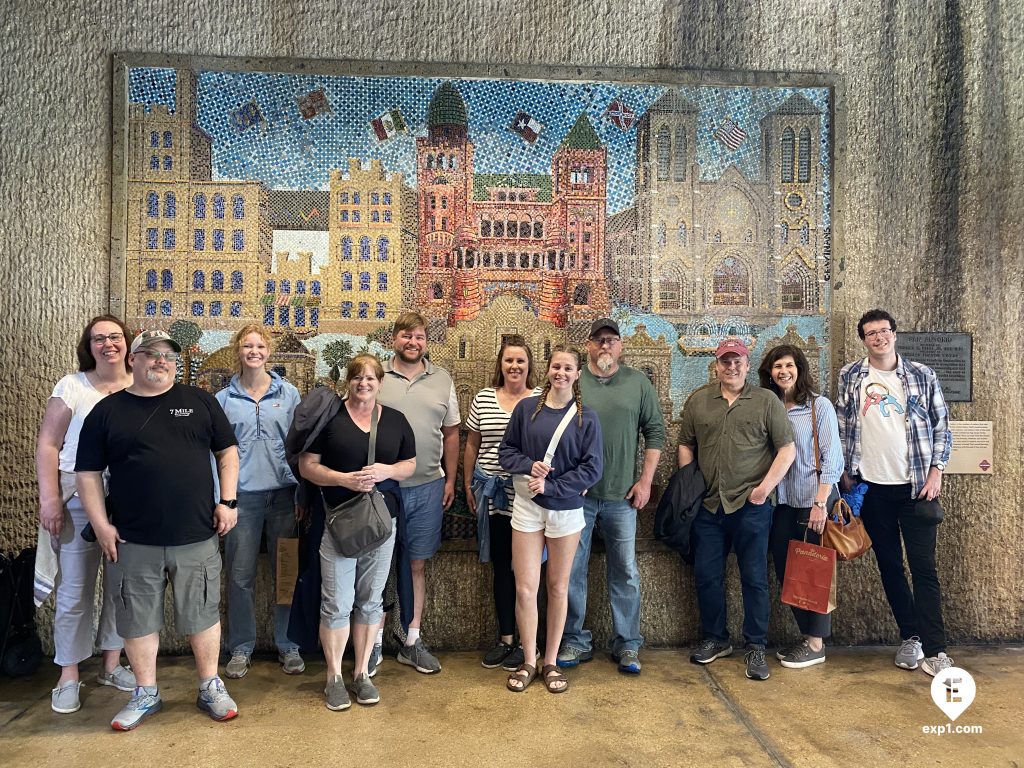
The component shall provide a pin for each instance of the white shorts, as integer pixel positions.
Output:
(530, 517)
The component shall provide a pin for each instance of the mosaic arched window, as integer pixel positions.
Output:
(364, 248)
(168, 140)
(346, 248)
(282, 315)
(152, 205)
(199, 205)
(151, 280)
(375, 198)
(382, 281)
(346, 281)
(165, 308)
(218, 206)
(237, 240)
(170, 239)
(218, 239)
(268, 315)
(238, 207)
(170, 205)
(300, 286)
(783, 233)
(355, 198)
(797, 288)
(346, 309)
(364, 281)
(168, 163)
(430, 162)
(286, 286)
(679, 164)
(804, 156)
(485, 228)
(387, 198)
(154, 163)
(538, 230)
(315, 288)
(314, 317)
(383, 246)
(150, 308)
(154, 139)
(731, 284)
(217, 280)
(664, 150)
(379, 313)
(524, 229)
(364, 310)
(300, 317)
(787, 156)
(437, 291)
(199, 240)
(215, 309)
(453, 162)
(237, 281)
(236, 309)
(387, 215)
(805, 233)
(271, 286)
(581, 295)
(198, 280)
(166, 280)
(374, 217)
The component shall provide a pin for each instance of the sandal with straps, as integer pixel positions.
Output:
(557, 677)
(517, 683)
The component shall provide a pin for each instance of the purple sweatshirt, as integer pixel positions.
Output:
(579, 458)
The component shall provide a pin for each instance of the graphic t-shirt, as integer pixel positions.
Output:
(884, 452)
(161, 471)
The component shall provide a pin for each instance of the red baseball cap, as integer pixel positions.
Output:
(734, 346)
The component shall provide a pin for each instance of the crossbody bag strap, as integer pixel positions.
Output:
(372, 453)
(549, 454)
(814, 433)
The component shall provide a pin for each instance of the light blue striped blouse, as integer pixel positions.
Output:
(800, 485)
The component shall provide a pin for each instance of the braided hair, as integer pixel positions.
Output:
(577, 395)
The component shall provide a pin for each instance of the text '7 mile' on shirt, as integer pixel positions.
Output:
(158, 451)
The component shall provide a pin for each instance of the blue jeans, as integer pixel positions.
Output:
(617, 520)
(746, 531)
(274, 510)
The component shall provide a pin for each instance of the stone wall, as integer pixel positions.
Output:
(927, 215)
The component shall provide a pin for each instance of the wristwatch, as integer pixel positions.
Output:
(940, 465)
(229, 503)
(821, 504)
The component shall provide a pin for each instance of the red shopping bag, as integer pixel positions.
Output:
(810, 581)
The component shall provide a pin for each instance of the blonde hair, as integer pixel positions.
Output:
(577, 396)
(407, 321)
(239, 337)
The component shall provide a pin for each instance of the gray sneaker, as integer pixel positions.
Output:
(629, 662)
(237, 666)
(935, 664)
(909, 653)
(710, 650)
(64, 698)
(365, 691)
(572, 657)
(419, 657)
(291, 662)
(786, 650)
(120, 677)
(140, 706)
(757, 667)
(802, 656)
(337, 694)
(376, 658)
(215, 701)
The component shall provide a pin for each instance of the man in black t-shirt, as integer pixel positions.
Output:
(159, 522)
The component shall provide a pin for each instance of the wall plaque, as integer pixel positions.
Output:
(948, 354)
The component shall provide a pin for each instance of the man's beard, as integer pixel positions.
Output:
(410, 356)
(605, 362)
(157, 377)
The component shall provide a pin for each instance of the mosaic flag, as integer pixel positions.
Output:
(730, 134)
(388, 124)
(527, 127)
(313, 103)
(620, 115)
(247, 115)
(282, 299)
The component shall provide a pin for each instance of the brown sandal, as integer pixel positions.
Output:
(517, 683)
(557, 677)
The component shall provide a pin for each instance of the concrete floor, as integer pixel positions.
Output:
(858, 709)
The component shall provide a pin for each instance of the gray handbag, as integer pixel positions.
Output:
(361, 524)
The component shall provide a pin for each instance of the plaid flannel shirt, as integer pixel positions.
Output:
(927, 424)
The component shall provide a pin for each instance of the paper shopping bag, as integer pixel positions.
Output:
(810, 581)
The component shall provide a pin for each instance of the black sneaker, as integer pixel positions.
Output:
(494, 657)
(710, 650)
(757, 667)
(514, 660)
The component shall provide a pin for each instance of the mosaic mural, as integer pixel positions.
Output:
(321, 206)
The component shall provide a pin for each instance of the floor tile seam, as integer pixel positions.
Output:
(743, 718)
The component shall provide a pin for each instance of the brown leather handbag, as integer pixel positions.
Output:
(844, 532)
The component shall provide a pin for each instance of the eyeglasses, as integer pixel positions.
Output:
(732, 362)
(152, 354)
(881, 333)
(101, 338)
(606, 341)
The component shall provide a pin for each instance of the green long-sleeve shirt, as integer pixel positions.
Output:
(626, 403)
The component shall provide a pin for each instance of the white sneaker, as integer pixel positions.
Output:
(935, 664)
(909, 653)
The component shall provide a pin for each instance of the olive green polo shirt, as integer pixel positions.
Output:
(735, 444)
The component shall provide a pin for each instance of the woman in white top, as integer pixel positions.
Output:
(102, 369)
(489, 487)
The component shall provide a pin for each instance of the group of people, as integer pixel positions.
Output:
(125, 475)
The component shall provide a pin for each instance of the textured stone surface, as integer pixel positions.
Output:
(928, 212)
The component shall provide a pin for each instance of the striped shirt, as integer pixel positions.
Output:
(487, 417)
(927, 423)
(799, 487)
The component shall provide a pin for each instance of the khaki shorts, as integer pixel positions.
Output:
(140, 577)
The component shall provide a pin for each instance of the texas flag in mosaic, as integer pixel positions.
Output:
(620, 115)
(527, 127)
(388, 124)
(730, 134)
(313, 103)
(247, 115)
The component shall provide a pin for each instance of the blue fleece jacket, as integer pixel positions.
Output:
(261, 428)
(579, 457)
